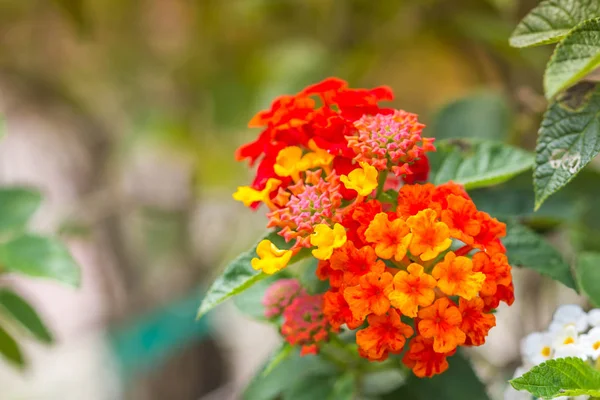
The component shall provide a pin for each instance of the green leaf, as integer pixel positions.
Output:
(344, 387)
(587, 270)
(10, 349)
(459, 382)
(475, 163)
(285, 350)
(575, 57)
(249, 302)
(518, 201)
(561, 377)
(482, 115)
(567, 142)
(309, 279)
(323, 387)
(551, 20)
(15, 306)
(239, 275)
(525, 248)
(291, 371)
(41, 257)
(382, 382)
(311, 388)
(17, 205)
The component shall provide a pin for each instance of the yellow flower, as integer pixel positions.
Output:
(288, 161)
(363, 179)
(327, 239)
(249, 195)
(271, 259)
(315, 159)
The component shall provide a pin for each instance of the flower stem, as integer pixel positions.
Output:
(381, 182)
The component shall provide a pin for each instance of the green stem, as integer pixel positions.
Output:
(381, 182)
(339, 363)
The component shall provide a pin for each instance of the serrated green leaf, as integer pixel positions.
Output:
(16, 307)
(293, 370)
(239, 275)
(481, 115)
(475, 163)
(551, 20)
(527, 249)
(17, 205)
(561, 377)
(10, 349)
(40, 257)
(459, 382)
(587, 271)
(518, 201)
(575, 57)
(567, 142)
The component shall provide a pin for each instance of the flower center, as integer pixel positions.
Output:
(569, 340)
(546, 351)
(596, 345)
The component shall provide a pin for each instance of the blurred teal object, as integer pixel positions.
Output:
(149, 341)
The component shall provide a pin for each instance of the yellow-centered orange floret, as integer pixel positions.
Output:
(456, 277)
(441, 321)
(412, 289)
(391, 238)
(429, 237)
(369, 295)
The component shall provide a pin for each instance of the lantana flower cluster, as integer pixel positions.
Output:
(406, 261)
(572, 333)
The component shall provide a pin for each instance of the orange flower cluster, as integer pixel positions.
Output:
(434, 260)
(421, 266)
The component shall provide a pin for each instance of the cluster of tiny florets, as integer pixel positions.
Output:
(407, 263)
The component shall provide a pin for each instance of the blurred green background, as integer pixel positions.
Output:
(127, 113)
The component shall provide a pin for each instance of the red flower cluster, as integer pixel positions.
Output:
(313, 139)
(324, 112)
(304, 323)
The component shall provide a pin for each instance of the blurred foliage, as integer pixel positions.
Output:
(32, 256)
(191, 73)
(185, 76)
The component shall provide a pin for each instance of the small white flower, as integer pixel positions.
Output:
(591, 343)
(594, 317)
(570, 314)
(513, 394)
(584, 397)
(566, 343)
(537, 348)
